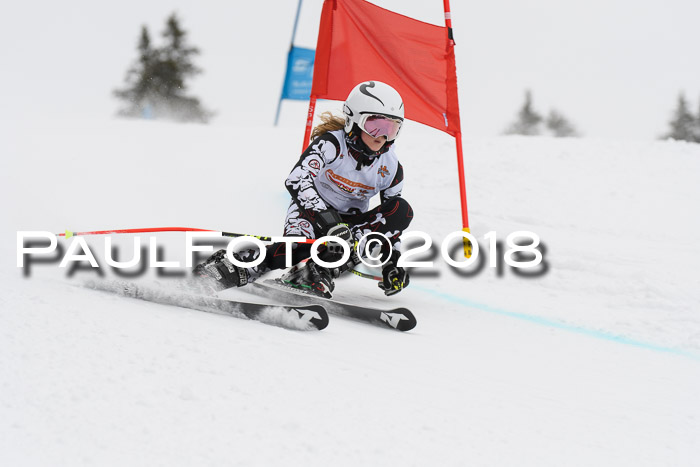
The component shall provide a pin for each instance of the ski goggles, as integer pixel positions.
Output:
(380, 125)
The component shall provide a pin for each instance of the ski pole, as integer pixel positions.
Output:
(69, 234)
(366, 276)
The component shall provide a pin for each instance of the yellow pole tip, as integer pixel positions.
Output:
(467, 244)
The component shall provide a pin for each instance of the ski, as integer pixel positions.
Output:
(401, 319)
(296, 317)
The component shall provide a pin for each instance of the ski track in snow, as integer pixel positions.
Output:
(594, 362)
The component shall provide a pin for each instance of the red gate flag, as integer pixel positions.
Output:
(359, 41)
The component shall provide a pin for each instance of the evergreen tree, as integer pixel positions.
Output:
(528, 121)
(139, 84)
(697, 125)
(559, 125)
(683, 126)
(156, 84)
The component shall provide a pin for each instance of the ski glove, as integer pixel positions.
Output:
(394, 277)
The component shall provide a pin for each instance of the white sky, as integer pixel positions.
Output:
(613, 67)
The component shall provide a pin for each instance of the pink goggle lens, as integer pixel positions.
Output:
(379, 125)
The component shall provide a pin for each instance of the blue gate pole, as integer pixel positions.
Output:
(291, 46)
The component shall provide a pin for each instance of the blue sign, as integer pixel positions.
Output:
(300, 74)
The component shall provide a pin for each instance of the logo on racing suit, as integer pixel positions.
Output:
(383, 171)
(348, 186)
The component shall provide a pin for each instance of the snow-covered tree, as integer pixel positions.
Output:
(683, 125)
(139, 86)
(697, 124)
(156, 84)
(528, 121)
(560, 125)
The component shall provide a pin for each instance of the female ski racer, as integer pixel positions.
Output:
(349, 160)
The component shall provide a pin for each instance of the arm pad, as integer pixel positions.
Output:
(326, 219)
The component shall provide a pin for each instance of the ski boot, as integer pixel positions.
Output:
(311, 278)
(219, 273)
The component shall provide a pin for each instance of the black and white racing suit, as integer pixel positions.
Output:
(328, 177)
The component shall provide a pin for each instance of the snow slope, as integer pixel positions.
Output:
(595, 361)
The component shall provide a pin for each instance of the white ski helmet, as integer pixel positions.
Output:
(376, 108)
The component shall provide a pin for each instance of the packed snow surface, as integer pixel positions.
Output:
(591, 359)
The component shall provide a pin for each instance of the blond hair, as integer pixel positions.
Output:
(329, 122)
